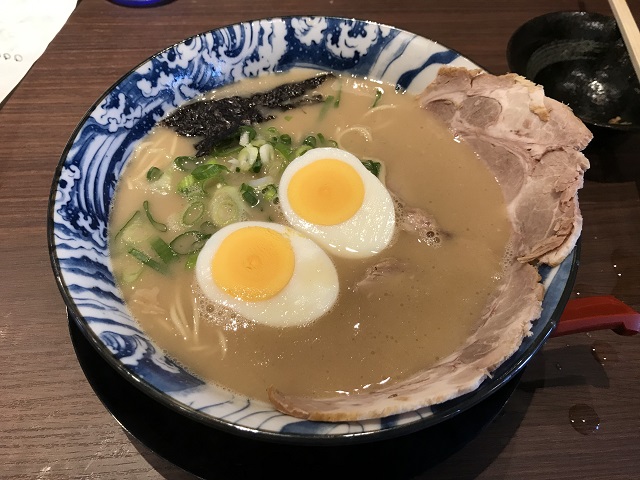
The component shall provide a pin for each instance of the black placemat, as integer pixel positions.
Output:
(210, 453)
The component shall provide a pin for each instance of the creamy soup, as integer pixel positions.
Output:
(375, 334)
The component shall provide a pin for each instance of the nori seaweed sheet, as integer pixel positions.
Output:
(218, 120)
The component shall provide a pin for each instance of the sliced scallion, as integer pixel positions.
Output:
(134, 219)
(164, 251)
(257, 165)
(227, 206)
(157, 225)
(247, 157)
(258, 142)
(283, 149)
(186, 163)
(249, 194)
(373, 167)
(270, 193)
(266, 153)
(285, 138)
(208, 228)
(188, 242)
(250, 131)
(311, 141)
(336, 103)
(226, 150)
(326, 141)
(192, 258)
(190, 187)
(148, 261)
(153, 174)
(301, 150)
(328, 103)
(208, 170)
(193, 213)
(379, 93)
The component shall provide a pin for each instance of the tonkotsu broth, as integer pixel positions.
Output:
(372, 336)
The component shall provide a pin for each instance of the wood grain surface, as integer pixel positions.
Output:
(52, 426)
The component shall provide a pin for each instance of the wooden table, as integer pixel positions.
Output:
(51, 423)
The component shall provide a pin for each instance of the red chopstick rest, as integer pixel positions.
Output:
(597, 313)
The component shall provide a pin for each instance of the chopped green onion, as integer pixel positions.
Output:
(208, 228)
(270, 193)
(186, 163)
(336, 104)
(301, 150)
(328, 102)
(131, 274)
(379, 93)
(247, 157)
(249, 194)
(285, 138)
(266, 153)
(257, 165)
(283, 150)
(258, 142)
(226, 151)
(157, 225)
(326, 141)
(153, 174)
(189, 187)
(148, 261)
(288, 118)
(373, 167)
(190, 264)
(164, 251)
(250, 131)
(193, 213)
(227, 206)
(134, 218)
(188, 242)
(311, 141)
(208, 170)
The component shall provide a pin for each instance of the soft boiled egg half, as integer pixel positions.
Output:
(268, 273)
(328, 194)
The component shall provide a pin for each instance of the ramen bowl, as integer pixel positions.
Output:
(98, 151)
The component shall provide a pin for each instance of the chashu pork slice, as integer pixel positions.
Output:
(532, 145)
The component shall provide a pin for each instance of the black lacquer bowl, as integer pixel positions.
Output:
(581, 60)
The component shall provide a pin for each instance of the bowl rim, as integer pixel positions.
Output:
(462, 403)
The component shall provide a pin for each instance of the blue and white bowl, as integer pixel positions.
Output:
(86, 178)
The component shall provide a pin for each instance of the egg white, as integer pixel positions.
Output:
(367, 232)
(310, 293)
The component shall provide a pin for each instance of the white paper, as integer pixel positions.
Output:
(26, 28)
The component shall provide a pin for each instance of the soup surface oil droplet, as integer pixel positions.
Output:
(584, 419)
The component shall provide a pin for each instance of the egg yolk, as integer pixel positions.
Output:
(253, 263)
(326, 192)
